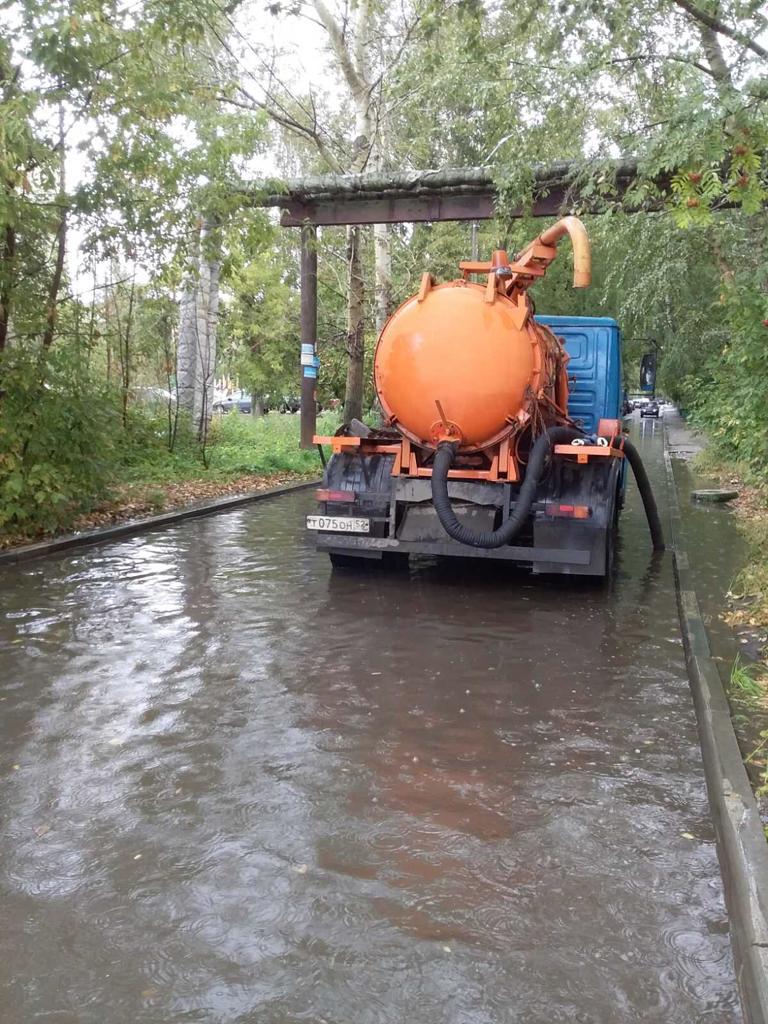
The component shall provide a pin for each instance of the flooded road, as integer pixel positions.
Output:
(237, 787)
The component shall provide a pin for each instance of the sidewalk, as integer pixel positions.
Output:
(683, 442)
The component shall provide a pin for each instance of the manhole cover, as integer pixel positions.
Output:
(713, 494)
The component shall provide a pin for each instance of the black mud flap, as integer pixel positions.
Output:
(595, 487)
(572, 535)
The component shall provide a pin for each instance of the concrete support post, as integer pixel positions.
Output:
(309, 365)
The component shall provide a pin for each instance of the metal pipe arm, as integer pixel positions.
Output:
(582, 255)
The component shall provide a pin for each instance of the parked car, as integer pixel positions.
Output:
(238, 401)
(651, 409)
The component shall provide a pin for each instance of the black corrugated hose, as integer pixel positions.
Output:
(644, 486)
(446, 453)
(444, 458)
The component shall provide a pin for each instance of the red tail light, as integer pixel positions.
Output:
(324, 495)
(568, 511)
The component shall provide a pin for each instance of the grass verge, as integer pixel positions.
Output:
(243, 454)
(748, 609)
(749, 689)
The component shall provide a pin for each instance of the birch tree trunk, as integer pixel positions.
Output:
(382, 252)
(382, 248)
(207, 317)
(187, 347)
(198, 320)
(351, 52)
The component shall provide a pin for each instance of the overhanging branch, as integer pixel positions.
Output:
(705, 18)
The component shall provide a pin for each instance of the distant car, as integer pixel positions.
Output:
(236, 402)
(651, 409)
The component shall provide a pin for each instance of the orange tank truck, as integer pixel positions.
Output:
(477, 454)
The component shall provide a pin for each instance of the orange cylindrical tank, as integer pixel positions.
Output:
(451, 356)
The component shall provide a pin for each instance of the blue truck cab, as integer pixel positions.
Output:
(594, 346)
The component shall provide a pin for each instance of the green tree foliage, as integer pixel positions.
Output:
(122, 100)
(679, 86)
(260, 327)
(54, 464)
(122, 125)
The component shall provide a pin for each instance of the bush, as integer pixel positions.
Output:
(730, 400)
(144, 453)
(57, 439)
(65, 443)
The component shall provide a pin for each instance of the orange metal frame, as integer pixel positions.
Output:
(610, 429)
(503, 464)
(585, 452)
(502, 468)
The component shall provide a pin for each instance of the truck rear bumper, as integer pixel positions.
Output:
(566, 559)
(403, 521)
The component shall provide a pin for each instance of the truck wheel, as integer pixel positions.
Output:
(389, 560)
(346, 561)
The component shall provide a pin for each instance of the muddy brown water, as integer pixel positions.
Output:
(238, 787)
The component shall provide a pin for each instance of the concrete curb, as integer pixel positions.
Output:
(741, 845)
(110, 533)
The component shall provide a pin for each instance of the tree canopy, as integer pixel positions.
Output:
(125, 127)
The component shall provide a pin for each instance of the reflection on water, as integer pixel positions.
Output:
(239, 788)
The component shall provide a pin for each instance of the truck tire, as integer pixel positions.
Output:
(389, 560)
(347, 561)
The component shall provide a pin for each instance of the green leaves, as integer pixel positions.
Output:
(133, 90)
(57, 429)
(259, 334)
(694, 192)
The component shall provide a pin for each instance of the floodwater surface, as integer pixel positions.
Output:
(238, 787)
(717, 551)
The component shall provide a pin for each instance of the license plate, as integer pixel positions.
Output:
(339, 524)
